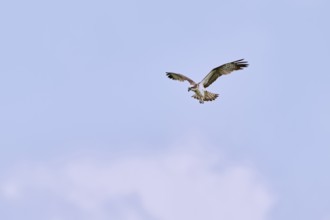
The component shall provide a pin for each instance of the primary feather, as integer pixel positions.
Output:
(180, 77)
(223, 70)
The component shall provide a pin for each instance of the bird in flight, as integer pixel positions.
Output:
(199, 88)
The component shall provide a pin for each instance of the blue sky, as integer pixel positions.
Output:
(91, 128)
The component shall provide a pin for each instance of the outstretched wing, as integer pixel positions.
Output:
(180, 77)
(223, 70)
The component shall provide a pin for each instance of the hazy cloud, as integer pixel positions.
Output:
(185, 183)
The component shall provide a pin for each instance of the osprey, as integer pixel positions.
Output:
(199, 88)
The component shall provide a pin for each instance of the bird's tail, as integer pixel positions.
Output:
(208, 96)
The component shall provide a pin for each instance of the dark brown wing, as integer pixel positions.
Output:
(180, 77)
(223, 70)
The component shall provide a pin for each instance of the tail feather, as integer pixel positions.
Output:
(208, 96)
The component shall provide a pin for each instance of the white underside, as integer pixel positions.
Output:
(201, 89)
(202, 94)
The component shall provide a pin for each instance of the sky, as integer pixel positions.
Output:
(91, 128)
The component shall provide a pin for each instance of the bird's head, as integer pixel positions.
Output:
(189, 88)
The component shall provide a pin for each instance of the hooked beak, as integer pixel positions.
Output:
(189, 89)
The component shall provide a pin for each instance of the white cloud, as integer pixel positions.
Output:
(186, 183)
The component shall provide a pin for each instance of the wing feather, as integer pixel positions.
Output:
(223, 70)
(209, 96)
(180, 77)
